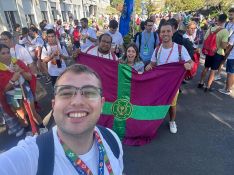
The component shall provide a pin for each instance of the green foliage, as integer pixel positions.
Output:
(184, 5)
(111, 10)
(193, 5)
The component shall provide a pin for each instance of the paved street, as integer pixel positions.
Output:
(204, 144)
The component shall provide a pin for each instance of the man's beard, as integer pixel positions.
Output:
(103, 51)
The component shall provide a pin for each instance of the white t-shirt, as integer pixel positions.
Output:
(231, 42)
(94, 51)
(38, 41)
(23, 159)
(87, 43)
(162, 57)
(53, 69)
(21, 53)
(117, 38)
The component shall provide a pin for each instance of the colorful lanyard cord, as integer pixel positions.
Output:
(81, 167)
(159, 54)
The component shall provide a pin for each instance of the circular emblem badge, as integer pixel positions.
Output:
(122, 109)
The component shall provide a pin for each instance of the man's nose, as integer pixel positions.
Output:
(77, 99)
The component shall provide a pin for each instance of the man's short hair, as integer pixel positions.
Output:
(104, 34)
(25, 30)
(42, 25)
(50, 31)
(85, 20)
(165, 24)
(16, 26)
(7, 34)
(222, 18)
(148, 20)
(79, 69)
(231, 10)
(113, 24)
(173, 22)
(34, 29)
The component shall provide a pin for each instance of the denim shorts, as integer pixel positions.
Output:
(230, 66)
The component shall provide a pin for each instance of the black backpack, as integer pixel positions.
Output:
(45, 143)
(179, 39)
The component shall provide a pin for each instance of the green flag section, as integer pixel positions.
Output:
(141, 112)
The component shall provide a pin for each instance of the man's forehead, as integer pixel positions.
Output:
(72, 77)
(106, 37)
(51, 34)
(149, 23)
(166, 27)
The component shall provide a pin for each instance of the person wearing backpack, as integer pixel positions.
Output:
(169, 52)
(75, 145)
(147, 41)
(216, 40)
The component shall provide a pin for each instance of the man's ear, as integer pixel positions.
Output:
(102, 101)
(52, 103)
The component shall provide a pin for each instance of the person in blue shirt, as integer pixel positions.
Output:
(147, 41)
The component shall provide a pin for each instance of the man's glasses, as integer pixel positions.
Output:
(89, 92)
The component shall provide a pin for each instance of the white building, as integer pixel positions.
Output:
(25, 12)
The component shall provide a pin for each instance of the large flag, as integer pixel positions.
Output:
(126, 17)
(136, 104)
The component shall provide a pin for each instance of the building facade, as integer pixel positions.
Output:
(25, 12)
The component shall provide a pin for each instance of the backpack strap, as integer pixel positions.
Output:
(45, 143)
(111, 141)
(218, 30)
(156, 52)
(226, 24)
(180, 51)
(91, 47)
(155, 39)
(140, 38)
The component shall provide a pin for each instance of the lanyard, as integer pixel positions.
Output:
(159, 53)
(147, 39)
(81, 167)
(102, 55)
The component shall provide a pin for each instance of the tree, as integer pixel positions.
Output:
(110, 10)
(184, 5)
(220, 5)
(117, 4)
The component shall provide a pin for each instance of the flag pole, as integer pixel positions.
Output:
(134, 16)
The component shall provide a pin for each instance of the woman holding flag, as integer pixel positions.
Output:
(16, 81)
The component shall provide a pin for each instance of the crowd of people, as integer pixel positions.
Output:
(30, 54)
